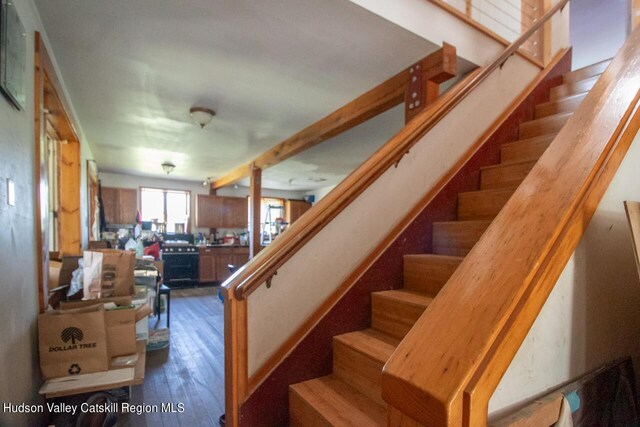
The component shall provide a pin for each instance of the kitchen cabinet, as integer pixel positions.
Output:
(221, 212)
(214, 262)
(120, 205)
(294, 209)
(207, 265)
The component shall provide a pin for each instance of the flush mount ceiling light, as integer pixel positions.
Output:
(168, 167)
(202, 115)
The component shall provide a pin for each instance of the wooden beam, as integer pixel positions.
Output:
(423, 87)
(372, 103)
(255, 195)
(233, 176)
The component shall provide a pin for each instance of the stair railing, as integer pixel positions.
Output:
(447, 367)
(262, 268)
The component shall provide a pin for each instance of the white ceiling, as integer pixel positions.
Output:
(269, 68)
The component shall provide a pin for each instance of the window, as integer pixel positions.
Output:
(170, 207)
(271, 207)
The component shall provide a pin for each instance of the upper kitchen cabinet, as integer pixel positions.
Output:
(120, 205)
(295, 208)
(221, 212)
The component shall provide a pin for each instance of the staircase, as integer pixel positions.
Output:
(351, 395)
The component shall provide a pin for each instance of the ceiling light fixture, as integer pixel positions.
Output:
(202, 115)
(168, 167)
(206, 182)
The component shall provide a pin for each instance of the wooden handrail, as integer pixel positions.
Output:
(447, 367)
(267, 262)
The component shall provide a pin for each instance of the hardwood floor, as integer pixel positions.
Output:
(191, 371)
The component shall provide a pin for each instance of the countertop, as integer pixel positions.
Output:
(224, 246)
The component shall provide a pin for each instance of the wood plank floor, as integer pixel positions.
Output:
(191, 371)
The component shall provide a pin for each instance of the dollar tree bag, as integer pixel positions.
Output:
(108, 273)
(72, 342)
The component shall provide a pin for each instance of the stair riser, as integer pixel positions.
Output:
(506, 176)
(528, 150)
(546, 126)
(455, 238)
(572, 88)
(557, 107)
(301, 414)
(479, 206)
(393, 317)
(358, 370)
(427, 275)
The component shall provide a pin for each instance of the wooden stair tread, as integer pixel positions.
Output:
(505, 175)
(525, 150)
(506, 164)
(573, 87)
(544, 125)
(457, 237)
(358, 359)
(428, 272)
(417, 299)
(586, 72)
(565, 104)
(395, 312)
(482, 204)
(330, 401)
(375, 344)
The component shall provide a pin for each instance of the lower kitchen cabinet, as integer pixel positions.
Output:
(207, 265)
(214, 262)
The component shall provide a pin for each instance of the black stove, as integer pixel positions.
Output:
(180, 265)
(166, 249)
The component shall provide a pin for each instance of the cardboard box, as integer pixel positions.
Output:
(72, 342)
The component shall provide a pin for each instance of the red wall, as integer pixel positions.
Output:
(269, 404)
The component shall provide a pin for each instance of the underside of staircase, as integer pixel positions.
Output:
(351, 395)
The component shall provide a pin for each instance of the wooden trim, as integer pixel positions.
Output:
(235, 357)
(462, 16)
(47, 97)
(633, 217)
(282, 249)
(42, 234)
(255, 204)
(292, 342)
(368, 105)
(541, 412)
(547, 34)
(449, 377)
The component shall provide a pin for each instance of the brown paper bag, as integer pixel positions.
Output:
(72, 342)
(108, 273)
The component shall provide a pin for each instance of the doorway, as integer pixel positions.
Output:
(57, 169)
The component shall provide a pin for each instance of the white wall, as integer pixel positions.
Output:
(591, 317)
(120, 180)
(471, 44)
(19, 376)
(319, 193)
(598, 29)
